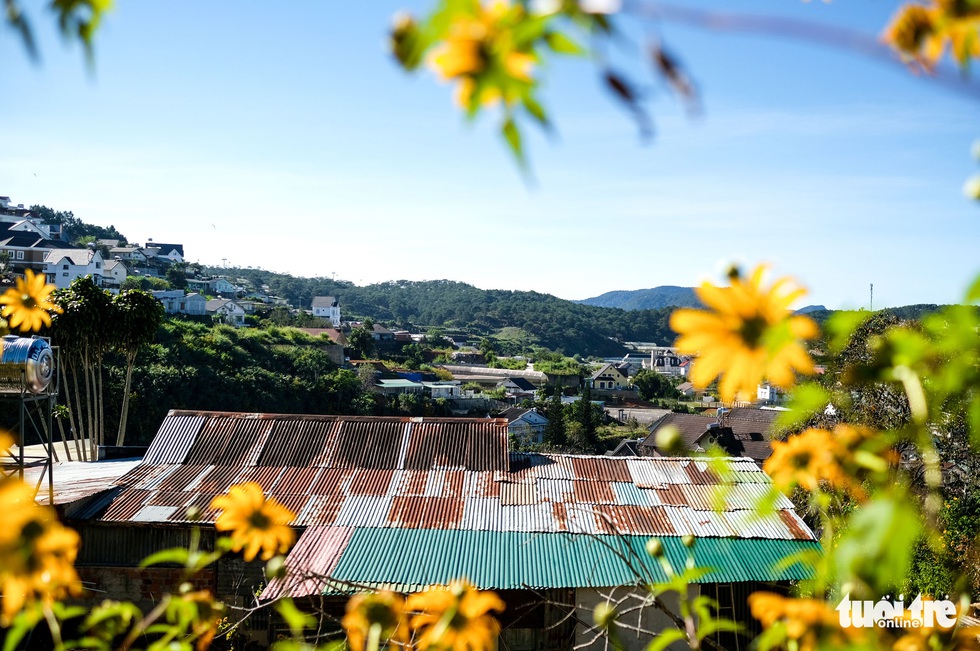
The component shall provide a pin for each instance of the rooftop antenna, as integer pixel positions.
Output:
(872, 297)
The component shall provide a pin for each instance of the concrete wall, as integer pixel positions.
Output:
(636, 625)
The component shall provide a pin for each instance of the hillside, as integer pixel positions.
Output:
(655, 298)
(546, 320)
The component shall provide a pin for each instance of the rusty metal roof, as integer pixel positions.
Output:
(415, 473)
(340, 474)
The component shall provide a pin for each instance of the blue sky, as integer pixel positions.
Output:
(282, 136)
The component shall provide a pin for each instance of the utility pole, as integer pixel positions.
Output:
(872, 297)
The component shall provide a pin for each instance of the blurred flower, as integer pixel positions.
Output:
(484, 53)
(205, 615)
(922, 32)
(37, 554)
(748, 335)
(255, 523)
(817, 455)
(384, 609)
(28, 305)
(803, 619)
(455, 617)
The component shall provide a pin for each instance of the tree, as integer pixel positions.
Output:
(361, 343)
(176, 275)
(136, 316)
(653, 385)
(145, 283)
(554, 433)
(81, 332)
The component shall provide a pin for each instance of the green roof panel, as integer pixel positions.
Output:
(410, 559)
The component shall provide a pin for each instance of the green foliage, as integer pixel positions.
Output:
(520, 319)
(360, 343)
(75, 229)
(652, 385)
(145, 283)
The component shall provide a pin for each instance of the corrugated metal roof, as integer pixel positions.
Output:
(411, 559)
(415, 473)
(314, 556)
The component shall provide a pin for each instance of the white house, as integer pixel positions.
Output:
(62, 266)
(444, 389)
(176, 302)
(526, 425)
(169, 252)
(327, 307)
(226, 310)
(212, 285)
(114, 272)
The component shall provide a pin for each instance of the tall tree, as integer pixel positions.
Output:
(136, 318)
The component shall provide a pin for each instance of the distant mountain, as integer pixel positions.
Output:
(811, 308)
(655, 298)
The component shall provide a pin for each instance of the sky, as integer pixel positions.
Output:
(283, 136)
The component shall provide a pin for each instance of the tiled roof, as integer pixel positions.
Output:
(324, 301)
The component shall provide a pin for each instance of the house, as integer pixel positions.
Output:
(742, 432)
(398, 387)
(213, 286)
(175, 301)
(169, 252)
(447, 389)
(327, 307)
(666, 361)
(227, 311)
(686, 389)
(611, 377)
(132, 254)
(518, 388)
(769, 394)
(527, 425)
(62, 266)
(25, 244)
(114, 272)
(335, 335)
(410, 502)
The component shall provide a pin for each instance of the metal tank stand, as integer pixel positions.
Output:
(35, 415)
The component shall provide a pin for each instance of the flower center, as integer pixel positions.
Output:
(28, 301)
(752, 331)
(259, 520)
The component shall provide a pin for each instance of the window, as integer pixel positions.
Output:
(64, 273)
(50, 277)
(98, 265)
(64, 266)
(20, 255)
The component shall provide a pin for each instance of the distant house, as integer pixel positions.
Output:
(62, 266)
(611, 377)
(327, 307)
(527, 425)
(396, 387)
(448, 389)
(382, 333)
(769, 394)
(686, 389)
(665, 361)
(171, 252)
(114, 272)
(740, 432)
(226, 310)
(220, 286)
(518, 388)
(176, 302)
(128, 253)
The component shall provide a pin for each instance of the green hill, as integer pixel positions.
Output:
(655, 298)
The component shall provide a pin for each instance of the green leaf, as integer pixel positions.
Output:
(536, 111)
(176, 555)
(973, 294)
(713, 626)
(22, 624)
(513, 138)
(561, 44)
(875, 551)
(665, 639)
(805, 401)
(296, 619)
(841, 325)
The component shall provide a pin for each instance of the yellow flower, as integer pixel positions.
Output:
(912, 30)
(255, 523)
(804, 619)
(28, 305)
(37, 554)
(455, 617)
(817, 455)
(384, 609)
(482, 53)
(749, 335)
